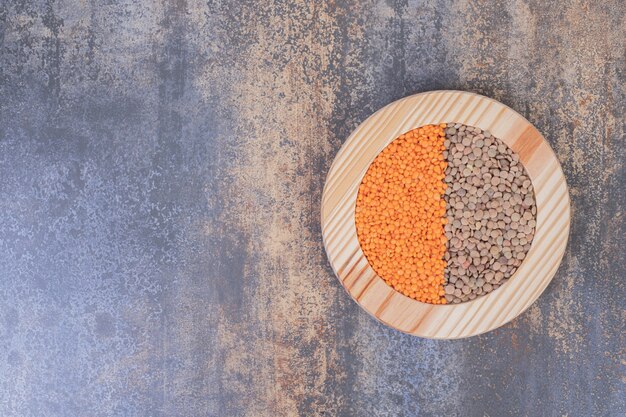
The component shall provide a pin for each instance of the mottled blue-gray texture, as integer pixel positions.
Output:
(161, 167)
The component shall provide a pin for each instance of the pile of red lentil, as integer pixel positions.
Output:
(445, 213)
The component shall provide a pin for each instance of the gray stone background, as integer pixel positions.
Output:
(161, 167)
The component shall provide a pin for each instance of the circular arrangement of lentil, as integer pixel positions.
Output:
(445, 213)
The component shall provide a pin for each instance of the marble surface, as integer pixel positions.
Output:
(161, 167)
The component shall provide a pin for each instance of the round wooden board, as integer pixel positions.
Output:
(483, 313)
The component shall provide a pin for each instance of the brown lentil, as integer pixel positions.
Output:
(484, 252)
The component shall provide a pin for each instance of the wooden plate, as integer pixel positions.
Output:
(484, 313)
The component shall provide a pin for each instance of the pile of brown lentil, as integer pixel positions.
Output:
(446, 213)
(490, 206)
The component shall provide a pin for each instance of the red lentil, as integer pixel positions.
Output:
(400, 214)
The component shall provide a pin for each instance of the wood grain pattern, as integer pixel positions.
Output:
(484, 313)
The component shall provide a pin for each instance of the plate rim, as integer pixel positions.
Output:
(478, 302)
